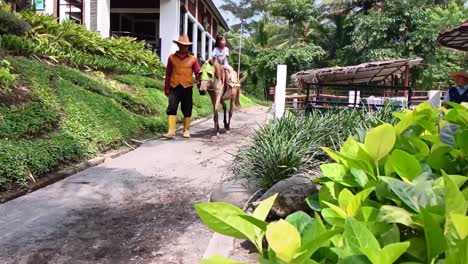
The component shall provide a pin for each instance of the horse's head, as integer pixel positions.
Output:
(210, 79)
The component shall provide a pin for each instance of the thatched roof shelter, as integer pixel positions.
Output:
(456, 38)
(366, 73)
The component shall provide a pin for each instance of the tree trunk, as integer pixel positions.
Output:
(290, 32)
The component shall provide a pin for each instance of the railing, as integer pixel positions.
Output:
(296, 98)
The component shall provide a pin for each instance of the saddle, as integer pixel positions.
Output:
(227, 86)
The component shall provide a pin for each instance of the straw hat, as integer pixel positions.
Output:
(183, 40)
(463, 74)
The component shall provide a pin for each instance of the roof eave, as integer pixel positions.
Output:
(218, 15)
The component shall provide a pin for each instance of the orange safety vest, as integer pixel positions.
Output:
(182, 71)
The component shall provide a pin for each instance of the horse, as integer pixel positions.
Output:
(214, 80)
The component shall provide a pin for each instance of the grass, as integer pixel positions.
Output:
(73, 116)
(292, 144)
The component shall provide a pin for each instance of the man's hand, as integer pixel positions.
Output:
(166, 92)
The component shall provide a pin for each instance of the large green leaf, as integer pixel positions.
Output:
(329, 193)
(460, 223)
(225, 219)
(348, 202)
(414, 196)
(262, 225)
(360, 177)
(299, 220)
(338, 173)
(388, 254)
(263, 209)
(307, 250)
(389, 237)
(392, 214)
(458, 115)
(462, 141)
(417, 147)
(313, 202)
(380, 141)
(447, 134)
(355, 259)
(458, 254)
(417, 248)
(405, 164)
(351, 162)
(216, 259)
(313, 229)
(454, 204)
(284, 239)
(368, 214)
(357, 236)
(441, 158)
(435, 239)
(459, 180)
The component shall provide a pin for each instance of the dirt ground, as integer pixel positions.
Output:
(137, 208)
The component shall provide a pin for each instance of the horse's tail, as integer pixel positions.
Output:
(237, 99)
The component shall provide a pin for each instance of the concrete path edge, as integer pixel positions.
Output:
(223, 245)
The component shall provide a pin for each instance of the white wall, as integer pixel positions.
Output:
(103, 18)
(168, 27)
(49, 7)
(87, 11)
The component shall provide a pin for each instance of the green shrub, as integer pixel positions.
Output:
(398, 196)
(75, 58)
(292, 144)
(68, 34)
(7, 79)
(11, 24)
(141, 81)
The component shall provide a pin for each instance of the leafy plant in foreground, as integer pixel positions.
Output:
(398, 196)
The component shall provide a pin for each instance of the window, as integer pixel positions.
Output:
(70, 10)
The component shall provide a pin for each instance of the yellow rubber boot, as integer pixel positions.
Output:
(171, 127)
(187, 121)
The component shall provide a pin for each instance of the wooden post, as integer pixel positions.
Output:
(434, 98)
(280, 91)
(406, 79)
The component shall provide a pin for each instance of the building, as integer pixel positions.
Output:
(158, 22)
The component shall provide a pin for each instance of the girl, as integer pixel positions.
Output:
(221, 54)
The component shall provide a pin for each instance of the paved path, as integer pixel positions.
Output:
(137, 208)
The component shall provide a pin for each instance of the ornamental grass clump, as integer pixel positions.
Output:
(290, 145)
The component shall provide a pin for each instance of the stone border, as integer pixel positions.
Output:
(224, 245)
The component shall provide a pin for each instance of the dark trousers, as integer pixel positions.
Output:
(184, 97)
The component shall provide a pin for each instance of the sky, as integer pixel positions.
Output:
(230, 19)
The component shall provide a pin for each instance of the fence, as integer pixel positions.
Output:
(296, 99)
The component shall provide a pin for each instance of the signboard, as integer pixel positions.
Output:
(39, 5)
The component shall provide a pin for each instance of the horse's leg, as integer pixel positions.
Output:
(231, 112)
(226, 126)
(215, 111)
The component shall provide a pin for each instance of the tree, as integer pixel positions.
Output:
(243, 10)
(341, 7)
(293, 11)
(405, 29)
(19, 4)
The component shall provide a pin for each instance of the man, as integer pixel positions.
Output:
(178, 86)
(459, 92)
